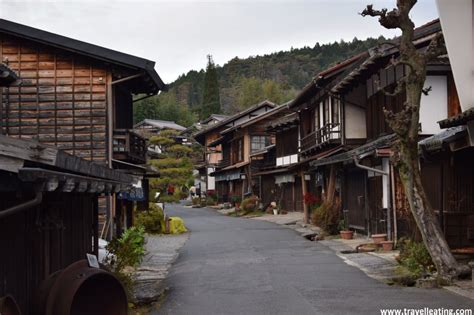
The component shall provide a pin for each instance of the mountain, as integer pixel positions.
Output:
(277, 76)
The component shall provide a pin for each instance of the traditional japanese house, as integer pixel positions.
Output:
(211, 155)
(148, 128)
(48, 221)
(78, 97)
(230, 174)
(329, 123)
(275, 174)
(372, 196)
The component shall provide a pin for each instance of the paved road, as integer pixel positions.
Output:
(243, 266)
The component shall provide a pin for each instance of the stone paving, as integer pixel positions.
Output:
(161, 252)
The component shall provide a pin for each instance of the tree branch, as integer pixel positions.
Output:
(386, 19)
(399, 88)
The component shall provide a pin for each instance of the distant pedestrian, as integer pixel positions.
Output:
(170, 189)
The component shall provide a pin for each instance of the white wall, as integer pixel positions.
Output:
(211, 180)
(355, 122)
(456, 18)
(434, 106)
(287, 160)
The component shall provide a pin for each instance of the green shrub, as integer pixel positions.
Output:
(152, 220)
(210, 201)
(124, 253)
(183, 195)
(415, 257)
(327, 216)
(236, 199)
(195, 201)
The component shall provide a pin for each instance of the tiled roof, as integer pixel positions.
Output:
(457, 120)
(161, 124)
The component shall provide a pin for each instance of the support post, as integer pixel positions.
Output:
(305, 206)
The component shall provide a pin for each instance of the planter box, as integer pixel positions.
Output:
(387, 245)
(379, 238)
(346, 235)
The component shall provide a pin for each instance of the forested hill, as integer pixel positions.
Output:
(244, 82)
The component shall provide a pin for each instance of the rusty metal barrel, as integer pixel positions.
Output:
(8, 306)
(80, 289)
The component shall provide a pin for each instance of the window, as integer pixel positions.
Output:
(258, 143)
(238, 150)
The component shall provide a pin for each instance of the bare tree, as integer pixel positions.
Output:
(405, 124)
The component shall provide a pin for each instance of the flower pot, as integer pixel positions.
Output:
(379, 238)
(275, 211)
(346, 235)
(387, 246)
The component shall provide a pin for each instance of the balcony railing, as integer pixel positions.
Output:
(328, 133)
(223, 163)
(129, 146)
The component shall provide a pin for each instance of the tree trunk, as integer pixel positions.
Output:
(406, 125)
(426, 219)
(410, 174)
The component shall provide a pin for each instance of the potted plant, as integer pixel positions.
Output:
(344, 231)
(387, 246)
(379, 238)
(236, 200)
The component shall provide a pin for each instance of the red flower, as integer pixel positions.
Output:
(310, 199)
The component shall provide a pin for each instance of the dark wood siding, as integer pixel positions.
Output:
(376, 124)
(449, 184)
(287, 142)
(354, 198)
(376, 213)
(267, 189)
(61, 98)
(42, 240)
(298, 199)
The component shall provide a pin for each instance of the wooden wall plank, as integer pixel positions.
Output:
(61, 99)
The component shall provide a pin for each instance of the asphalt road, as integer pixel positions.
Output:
(243, 266)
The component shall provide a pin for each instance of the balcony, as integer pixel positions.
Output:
(223, 163)
(329, 133)
(129, 146)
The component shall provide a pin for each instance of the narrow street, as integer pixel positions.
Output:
(243, 266)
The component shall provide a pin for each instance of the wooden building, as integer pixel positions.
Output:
(49, 219)
(232, 145)
(276, 171)
(371, 192)
(447, 156)
(78, 97)
(329, 123)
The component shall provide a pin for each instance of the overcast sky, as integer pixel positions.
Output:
(179, 34)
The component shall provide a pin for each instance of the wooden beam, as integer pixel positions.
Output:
(304, 191)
